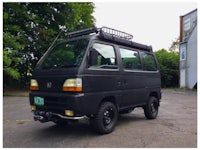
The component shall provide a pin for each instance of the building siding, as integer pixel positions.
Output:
(188, 50)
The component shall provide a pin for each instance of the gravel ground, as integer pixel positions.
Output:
(175, 127)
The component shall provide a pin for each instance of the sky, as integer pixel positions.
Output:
(150, 23)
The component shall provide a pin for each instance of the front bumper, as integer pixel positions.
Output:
(56, 103)
(44, 116)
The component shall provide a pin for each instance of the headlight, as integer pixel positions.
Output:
(73, 85)
(34, 85)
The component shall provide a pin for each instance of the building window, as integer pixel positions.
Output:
(187, 24)
(183, 53)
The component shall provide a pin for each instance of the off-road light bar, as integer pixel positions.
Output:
(85, 31)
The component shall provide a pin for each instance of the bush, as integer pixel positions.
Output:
(169, 69)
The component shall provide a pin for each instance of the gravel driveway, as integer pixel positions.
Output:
(175, 126)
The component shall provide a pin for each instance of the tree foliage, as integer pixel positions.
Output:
(30, 28)
(168, 62)
(175, 45)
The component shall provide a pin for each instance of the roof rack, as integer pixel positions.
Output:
(111, 35)
(103, 30)
(116, 33)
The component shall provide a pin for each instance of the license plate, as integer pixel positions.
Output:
(39, 101)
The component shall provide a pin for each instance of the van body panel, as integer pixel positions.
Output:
(81, 103)
(52, 80)
(134, 91)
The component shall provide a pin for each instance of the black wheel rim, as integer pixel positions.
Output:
(108, 117)
(154, 107)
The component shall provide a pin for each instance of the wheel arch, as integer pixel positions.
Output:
(156, 95)
(111, 99)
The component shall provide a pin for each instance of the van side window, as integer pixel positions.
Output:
(130, 59)
(106, 58)
(149, 62)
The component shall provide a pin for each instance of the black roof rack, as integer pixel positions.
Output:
(103, 30)
(116, 33)
(111, 35)
(122, 38)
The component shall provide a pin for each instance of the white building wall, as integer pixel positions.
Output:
(188, 50)
(191, 71)
(182, 78)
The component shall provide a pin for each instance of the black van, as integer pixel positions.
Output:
(96, 73)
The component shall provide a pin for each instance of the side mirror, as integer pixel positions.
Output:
(93, 57)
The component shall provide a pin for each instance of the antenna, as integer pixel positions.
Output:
(55, 40)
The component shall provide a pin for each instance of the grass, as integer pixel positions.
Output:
(178, 89)
(25, 92)
(16, 92)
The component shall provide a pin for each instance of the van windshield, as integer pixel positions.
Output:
(64, 55)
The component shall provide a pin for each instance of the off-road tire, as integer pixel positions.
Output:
(151, 108)
(106, 118)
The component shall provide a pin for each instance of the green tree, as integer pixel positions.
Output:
(30, 28)
(168, 62)
(13, 44)
(175, 45)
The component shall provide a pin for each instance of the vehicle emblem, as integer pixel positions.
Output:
(49, 84)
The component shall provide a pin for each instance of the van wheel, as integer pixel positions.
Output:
(106, 118)
(151, 108)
